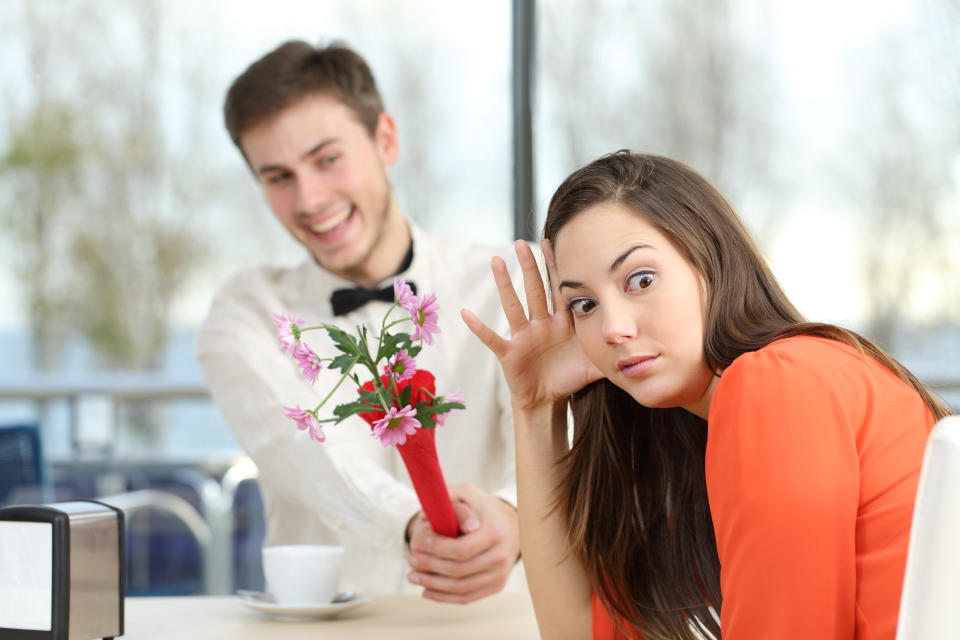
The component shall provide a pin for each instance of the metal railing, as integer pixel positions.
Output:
(92, 401)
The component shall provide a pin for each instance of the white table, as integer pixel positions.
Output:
(504, 616)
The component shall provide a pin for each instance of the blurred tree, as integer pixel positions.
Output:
(108, 206)
(110, 232)
(589, 113)
(131, 267)
(900, 176)
(406, 85)
(40, 167)
(683, 79)
(712, 97)
(939, 26)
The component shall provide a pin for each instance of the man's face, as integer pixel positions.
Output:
(325, 178)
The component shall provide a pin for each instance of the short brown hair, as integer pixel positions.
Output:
(293, 71)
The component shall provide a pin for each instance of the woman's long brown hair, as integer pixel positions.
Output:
(634, 490)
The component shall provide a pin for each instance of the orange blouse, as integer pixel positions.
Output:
(812, 463)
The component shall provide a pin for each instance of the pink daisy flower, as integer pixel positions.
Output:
(401, 367)
(396, 425)
(404, 294)
(309, 362)
(306, 421)
(289, 331)
(425, 319)
(441, 418)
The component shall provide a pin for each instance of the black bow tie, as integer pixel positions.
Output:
(344, 301)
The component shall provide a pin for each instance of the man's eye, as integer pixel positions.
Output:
(580, 306)
(329, 160)
(639, 281)
(277, 178)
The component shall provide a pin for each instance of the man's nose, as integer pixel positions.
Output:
(313, 194)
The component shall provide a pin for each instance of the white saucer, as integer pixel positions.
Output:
(260, 602)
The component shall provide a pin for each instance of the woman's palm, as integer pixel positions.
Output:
(542, 361)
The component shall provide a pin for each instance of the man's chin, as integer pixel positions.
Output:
(343, 262)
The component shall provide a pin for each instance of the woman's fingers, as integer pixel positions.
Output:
(487, 336)
(554, 279)
(512, 309)
(532, 282)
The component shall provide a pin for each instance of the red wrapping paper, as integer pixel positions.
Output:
(419, 454)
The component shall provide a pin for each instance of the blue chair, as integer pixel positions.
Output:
(23, 473)
(249, 531)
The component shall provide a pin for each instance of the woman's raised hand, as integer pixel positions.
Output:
(542, 360)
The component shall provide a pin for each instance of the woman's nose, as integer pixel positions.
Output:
(619, 325)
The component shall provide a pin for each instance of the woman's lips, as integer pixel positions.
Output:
(632, 367)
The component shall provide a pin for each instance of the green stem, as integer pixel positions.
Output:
(367, 359)
(383, 327)
(319, 326)
(396, 322)
(371, 366)
(386, 407)
(393, 387)
(337, 386)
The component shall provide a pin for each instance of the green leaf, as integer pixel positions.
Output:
(346, 343)
(344, 411)
(370, 396)
(426, 420)
(404, 398)
(342, 362)
(443, 407)
(392, 343)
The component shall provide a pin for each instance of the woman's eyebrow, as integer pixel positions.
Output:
(573, 284)
(623, 256)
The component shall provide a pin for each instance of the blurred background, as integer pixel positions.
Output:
(831, 125)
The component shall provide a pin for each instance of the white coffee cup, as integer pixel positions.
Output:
(302, 574)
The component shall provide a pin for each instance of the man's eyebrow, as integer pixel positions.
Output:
(572, 284)
(317, 147)
(267, 168)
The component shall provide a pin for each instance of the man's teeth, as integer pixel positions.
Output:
(330, 223)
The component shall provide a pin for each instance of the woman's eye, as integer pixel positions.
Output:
(639, 281)
(580, 306)
(329, 160)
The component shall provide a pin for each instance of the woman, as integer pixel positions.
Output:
(733, 466)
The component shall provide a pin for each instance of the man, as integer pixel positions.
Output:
(311, 126)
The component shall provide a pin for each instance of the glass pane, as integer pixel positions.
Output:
(835, 139)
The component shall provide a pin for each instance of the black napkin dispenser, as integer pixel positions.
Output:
(62, 571)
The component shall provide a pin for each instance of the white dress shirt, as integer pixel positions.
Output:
(351, 490)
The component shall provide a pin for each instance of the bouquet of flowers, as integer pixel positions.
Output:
(400, 405)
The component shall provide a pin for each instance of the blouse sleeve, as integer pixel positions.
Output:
(783, 483)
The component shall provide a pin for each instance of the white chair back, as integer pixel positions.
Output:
(931, 585)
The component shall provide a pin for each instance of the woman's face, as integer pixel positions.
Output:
(637, 307)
